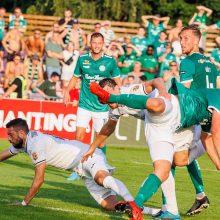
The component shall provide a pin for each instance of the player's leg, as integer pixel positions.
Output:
(83, 118)
(99, 119)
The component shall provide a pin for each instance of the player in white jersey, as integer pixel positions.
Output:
(157, 136)
(45, 149)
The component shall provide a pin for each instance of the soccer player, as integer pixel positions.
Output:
(93, 66)
(169, 118)
(196, 71)
(45, 149)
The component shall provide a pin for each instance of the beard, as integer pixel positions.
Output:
(19, 144)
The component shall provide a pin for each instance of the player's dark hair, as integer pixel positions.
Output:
(18, 124)
(107, 82)
(194, 28)
(96, 35)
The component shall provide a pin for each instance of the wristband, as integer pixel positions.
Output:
(23, 203)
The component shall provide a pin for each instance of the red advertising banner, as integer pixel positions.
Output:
(47, 116)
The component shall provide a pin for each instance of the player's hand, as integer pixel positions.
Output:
(87, 154)
(66, 98)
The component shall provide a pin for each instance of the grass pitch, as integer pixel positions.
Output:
(65, 200)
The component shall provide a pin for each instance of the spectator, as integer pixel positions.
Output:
(174, 32)
(33, 72)
(52, 62)
(2, 29)
(173, 72)
(140, 41)
(115, 50)
(165, 58)
(17, 16)
(35, 44)
(154, 28)
(126, 61)
(131, 79)
(149, 63)
(77, 36)
(136, 72)
(97, 29)
(13, 69)
(69, 57)
(13, 42)
(215, 55)
(107, 32)
(215, 26)
(48, 88)
(160, 45)
(200, 19)
(66, 22)
(55, 30)
(17, 88)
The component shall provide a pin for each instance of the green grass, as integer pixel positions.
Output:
(133, 165)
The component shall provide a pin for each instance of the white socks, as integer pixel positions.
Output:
(118, 187)
(168, 188)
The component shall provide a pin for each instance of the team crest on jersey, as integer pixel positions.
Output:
(135, 88)
(102, 68)
(200, 61)
(86, 61)
(34, 155)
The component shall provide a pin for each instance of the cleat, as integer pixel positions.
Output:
(120, 206)
(198, 206)
(103, 96)
(74, 176)
(133, 211)
(157, 214)
(167, 215)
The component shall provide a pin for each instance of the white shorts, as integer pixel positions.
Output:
(84, 116)
(88, 170)
(160, 128)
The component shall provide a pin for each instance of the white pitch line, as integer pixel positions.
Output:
(150, 164)
(92, 213)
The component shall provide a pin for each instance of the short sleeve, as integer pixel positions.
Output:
(187, 70)
(37, 153)
(115, 70)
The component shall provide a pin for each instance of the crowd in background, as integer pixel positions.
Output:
(40, 67)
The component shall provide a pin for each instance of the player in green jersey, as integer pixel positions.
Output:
(92, 67)
(196, 71)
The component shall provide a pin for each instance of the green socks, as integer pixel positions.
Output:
(130, 100)
(196, 176)
(103, 149)
(148, 188)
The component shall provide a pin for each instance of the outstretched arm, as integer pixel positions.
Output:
(36, 184)
(4, 155)
(105, 132)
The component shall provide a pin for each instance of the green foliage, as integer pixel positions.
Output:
(117, 10)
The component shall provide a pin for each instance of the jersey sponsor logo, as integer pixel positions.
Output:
(86, 62)
(34, 156)
(102, 68)
(182, 72)
(87, 67)
(204, 61)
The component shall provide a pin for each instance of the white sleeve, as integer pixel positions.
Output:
(14, 150)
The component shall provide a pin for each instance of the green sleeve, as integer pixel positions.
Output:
(218, 24)
(121, 58)
(115, 70)
(43, 86)
(187, 70)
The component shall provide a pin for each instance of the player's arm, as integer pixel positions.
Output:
(145, 18)
(192, 19)
(36, 184)
(4, 155)
(105, 132)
